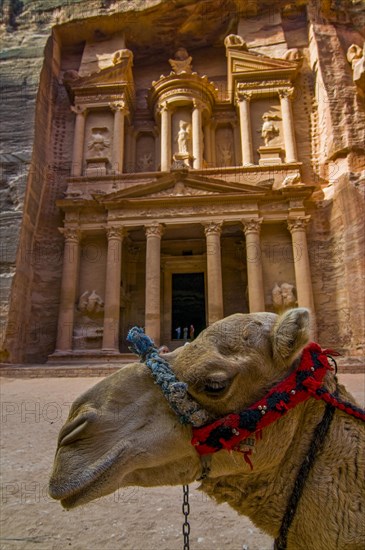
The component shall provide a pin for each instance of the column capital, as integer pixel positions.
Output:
(115, 232)
(164, 107)
(79, 109)
(71, 234)
(120, 105)
(242, 95)
(212, 228)
(154, 230)
(252, 226)
(298, 224)
(197, 104)
(286, 92)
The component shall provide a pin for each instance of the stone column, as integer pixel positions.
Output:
(120, 111)
(78, 143)
(213, 127)
(208, 145)
(288, 124)
(256, 294)
(196, 122)
(71, 256)
(214, 271)
(112, 289)
(301, 262)
(243, 101)
(154, 233)
(165, 137)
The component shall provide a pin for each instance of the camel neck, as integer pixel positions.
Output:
(262, 494)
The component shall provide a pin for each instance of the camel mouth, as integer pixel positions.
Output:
(79, 489)
(83, 496)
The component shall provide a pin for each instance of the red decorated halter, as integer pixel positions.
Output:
(229, 432)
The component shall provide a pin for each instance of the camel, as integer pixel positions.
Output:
(123, 432)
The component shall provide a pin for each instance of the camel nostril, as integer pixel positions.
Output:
(72, 434)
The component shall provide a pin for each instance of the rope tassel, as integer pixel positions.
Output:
(175, 392)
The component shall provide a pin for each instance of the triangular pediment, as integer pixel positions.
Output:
(247, 63)
(244, 66)
(176, 186)
(116, 74)
(116, 78)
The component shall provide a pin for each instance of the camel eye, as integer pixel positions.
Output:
(215, 387)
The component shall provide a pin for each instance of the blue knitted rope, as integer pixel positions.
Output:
(176, 392)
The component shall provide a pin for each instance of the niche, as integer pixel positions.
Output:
(145, 153)
(225, 150)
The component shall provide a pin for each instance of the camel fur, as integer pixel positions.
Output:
(122, 432)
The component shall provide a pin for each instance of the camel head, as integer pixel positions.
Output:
(122, 431)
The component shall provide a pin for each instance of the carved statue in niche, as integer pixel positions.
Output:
(184, 138)
(90, 302)
(283, 297)
(98, 143)
(356, 56)
(269, 130)
(225, 152)
(181, 62)
(145, 162)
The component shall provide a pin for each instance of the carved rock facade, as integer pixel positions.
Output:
(224, 177)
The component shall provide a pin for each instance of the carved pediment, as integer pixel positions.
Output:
(115, 77)
(176, 187)
(180, 189)
(248, 66)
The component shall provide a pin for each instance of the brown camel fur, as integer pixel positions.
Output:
(122, 432)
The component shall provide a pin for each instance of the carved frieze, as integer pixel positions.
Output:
(180, 190)
(262, 86)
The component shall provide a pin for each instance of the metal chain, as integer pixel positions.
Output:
(186, 512)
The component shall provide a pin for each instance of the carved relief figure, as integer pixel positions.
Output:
(184, 138)
(269, 130)
(283, 297)
(181, 62)
(90, 302)
(98, 143)
(225, 154)
(145, 162)
(356, 56)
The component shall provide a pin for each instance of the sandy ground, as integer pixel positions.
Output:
(32, 412)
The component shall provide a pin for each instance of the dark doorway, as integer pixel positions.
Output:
(188, 303)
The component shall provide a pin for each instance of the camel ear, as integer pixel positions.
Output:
(290, 334)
